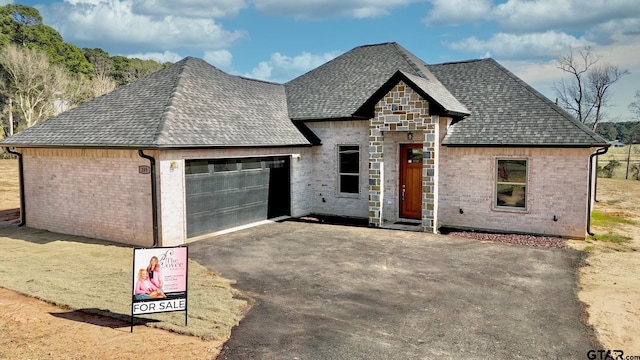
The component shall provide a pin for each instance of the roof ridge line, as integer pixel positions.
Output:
(169, 107)
(546, 100)
(403, 52)
(458, 62)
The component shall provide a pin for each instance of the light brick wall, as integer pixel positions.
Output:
(171, 201)
(557, 185)
(325, 198)
(93, 193)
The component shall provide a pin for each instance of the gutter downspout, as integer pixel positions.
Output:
(600, 151)
(154, 203)
(23, 217)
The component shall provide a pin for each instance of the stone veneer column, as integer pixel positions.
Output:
(376, 172)
(402, 109)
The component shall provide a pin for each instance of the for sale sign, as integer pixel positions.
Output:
(159, 280)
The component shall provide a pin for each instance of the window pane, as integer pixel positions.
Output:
(511, 195)
(349, 184)
(349, 160)
(514, 171)
(414, 156)
(197, 167)
(225, 165)
(252, 163)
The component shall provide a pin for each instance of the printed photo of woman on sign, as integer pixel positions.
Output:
(145, 289)
(155, 272)
(159, 273)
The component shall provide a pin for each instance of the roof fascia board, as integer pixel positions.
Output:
(527, 145)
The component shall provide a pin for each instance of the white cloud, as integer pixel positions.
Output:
(538, 15)
(5, 2)
(455, 12)
(319, 9)
(512, 46)
(221, 59)
(190, 8)
(160, 57)
(262, 71)
(620, 30)
(282, 68)
(115, 25)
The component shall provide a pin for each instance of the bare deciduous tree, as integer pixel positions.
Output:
(102, 84)
(634, 107)
(36, 88)
(587, 93)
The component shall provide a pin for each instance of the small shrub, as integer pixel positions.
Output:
(635, 171)
(607, 170)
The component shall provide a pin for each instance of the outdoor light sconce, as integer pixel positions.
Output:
(409, 135)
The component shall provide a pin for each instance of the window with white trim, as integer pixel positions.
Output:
(348, 169)
(511, 183)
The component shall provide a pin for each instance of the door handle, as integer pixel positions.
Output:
(403, 189)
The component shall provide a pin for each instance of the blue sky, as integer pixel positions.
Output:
(278, 40)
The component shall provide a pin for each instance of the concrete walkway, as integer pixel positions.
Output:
(338, 292)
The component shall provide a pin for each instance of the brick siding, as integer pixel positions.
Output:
(557, 186)
(93, 193)
(325, 198)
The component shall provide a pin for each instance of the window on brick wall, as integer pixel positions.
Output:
(348, 169)
(511, 183)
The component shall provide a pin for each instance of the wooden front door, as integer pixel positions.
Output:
(411, 181)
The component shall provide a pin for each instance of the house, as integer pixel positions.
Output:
(616, 143)
(375, 133)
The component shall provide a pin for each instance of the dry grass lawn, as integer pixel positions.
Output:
(9, 194)
(94, 276)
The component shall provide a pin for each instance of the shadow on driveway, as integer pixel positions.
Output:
(338, 292)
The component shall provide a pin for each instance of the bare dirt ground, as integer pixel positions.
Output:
(32, 329)
(609, 282)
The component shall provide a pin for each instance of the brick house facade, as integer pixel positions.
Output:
(375, 134)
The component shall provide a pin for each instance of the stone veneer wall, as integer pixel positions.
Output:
(403, 110)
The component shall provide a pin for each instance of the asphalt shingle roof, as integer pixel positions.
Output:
(505, 110)
(340, 87)
(188, 104)
(193, 104)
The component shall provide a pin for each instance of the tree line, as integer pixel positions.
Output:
(42, 75)
(625, 132)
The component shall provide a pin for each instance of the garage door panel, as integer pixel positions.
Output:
(231, 194)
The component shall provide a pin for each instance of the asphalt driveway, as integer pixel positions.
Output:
(338, 292)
